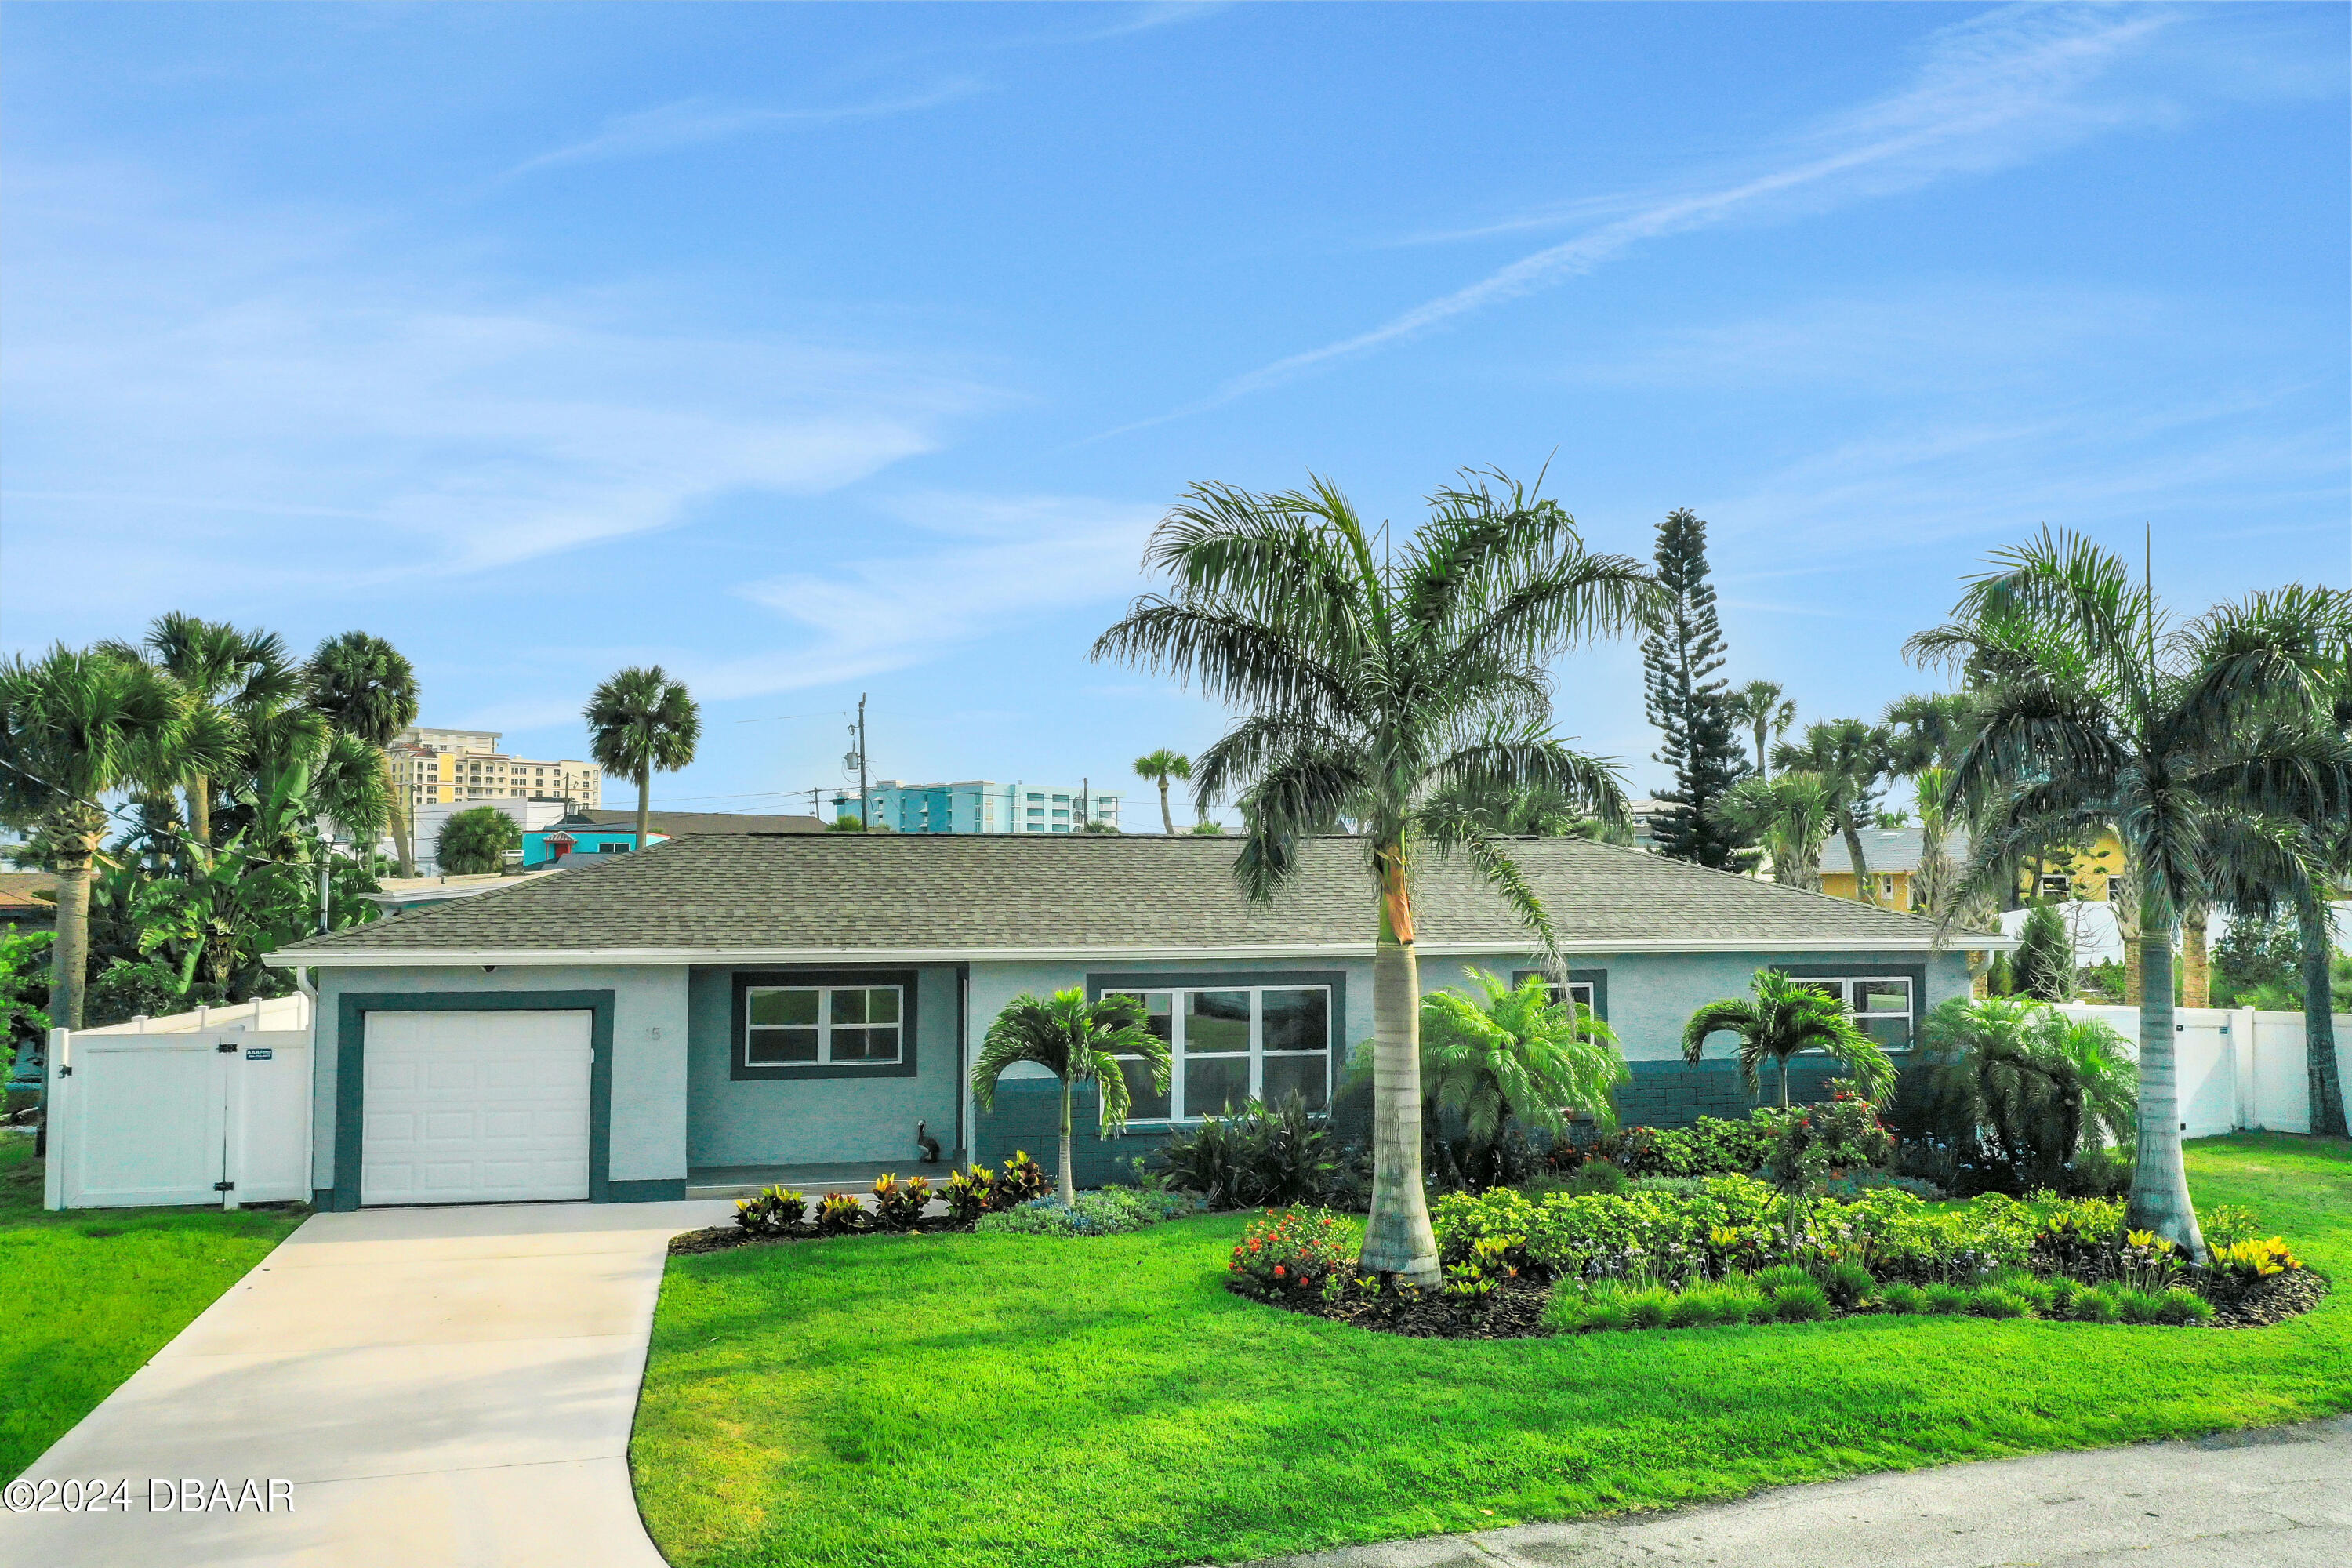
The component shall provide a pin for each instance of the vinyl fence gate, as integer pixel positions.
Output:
(213, 1115)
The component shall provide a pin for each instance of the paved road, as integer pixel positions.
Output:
(2280, 1497)
(442, 1388)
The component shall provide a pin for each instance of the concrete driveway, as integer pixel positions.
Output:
(443, 1386)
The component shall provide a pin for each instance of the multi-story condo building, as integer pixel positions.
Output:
(439, 767)
(980, 806)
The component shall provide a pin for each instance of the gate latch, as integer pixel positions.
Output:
(224, 1186)
(226, 1045)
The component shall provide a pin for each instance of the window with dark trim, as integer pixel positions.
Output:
(1883, 1004)
(823, 1023)
(1231, 1043)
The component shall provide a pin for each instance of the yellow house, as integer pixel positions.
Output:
(1892, 858)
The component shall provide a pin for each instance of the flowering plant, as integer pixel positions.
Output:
(1291, 1249)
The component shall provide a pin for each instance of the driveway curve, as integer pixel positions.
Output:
(452, 1387)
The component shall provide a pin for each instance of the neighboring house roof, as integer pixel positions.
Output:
(787, 897)
(1888, 849)
(28, 895)
(690, 823)
(408, 891)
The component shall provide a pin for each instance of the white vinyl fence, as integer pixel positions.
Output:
(2239, 1069)
(209, 1107)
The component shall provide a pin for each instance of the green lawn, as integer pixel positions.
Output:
(87, 1298)
(982, 1400)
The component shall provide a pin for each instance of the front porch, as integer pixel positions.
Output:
(847, 1176)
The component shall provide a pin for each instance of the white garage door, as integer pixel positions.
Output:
(468, 1108)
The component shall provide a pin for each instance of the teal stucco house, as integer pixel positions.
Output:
(729, 1008)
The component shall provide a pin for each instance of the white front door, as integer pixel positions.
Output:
(468, 1108)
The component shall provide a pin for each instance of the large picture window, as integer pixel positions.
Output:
(1231, 1044)
(1880, 1003)
(822, 1025)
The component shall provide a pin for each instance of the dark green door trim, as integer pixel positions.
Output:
(351, 1078)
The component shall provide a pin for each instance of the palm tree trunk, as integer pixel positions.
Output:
(2159, 1190)
(1854, 853)
(402, 820)
(1784, 1083)
(1167, 823)
(2196, 963)
(1397, 1237)
(69, 952)
(644, 804)
(2327, 1110)
(200, 809)
(1069, 1158)
(1762, 772)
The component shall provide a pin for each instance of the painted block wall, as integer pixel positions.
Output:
(649, 1051)
(816, 1120)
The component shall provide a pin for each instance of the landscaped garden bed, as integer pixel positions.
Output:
(1731, 1250)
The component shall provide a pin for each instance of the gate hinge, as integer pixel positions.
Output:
(226, 1045)
(224, 1186)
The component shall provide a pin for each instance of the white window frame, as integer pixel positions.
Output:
(824, 1027)
(1845, 985)
(1178, 1055)
(2063, 886)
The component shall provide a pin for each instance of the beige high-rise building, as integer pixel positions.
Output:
(441, 767)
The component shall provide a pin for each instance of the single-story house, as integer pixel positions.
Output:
(597, 831)
(725, 1009)
(28, 900)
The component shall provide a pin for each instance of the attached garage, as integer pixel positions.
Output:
(475, 1107)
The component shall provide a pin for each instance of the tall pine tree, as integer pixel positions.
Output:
(1688, 701)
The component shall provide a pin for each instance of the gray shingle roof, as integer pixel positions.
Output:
(680, 824)
(939, 892)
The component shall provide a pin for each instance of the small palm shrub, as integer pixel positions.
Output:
(1647, 1308)
(1945, 1300)
(1295, 1249)
(1901, 1298)
(837, 1213)
(1848, 1286)
(773, 1212)
(1992, 1301)
(2180, 1306)
(1804, 1303)
(900, 1205)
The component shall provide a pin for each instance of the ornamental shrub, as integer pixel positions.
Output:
(838, 1212)
(1023, 1180)
(969, 1193)
(1109, 1211)
(773, 1212)
(898, 1205)
(1260, 1155)
(1292, 1250)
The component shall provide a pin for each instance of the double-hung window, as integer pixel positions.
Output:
(1881, 1004)
(822, 1025)
(1232, 1044)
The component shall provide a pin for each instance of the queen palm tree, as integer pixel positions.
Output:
(1369, 677)
(2192, 742)
(1522, 1054)
(1078, 1042)
(365, 688)
(1848, 757)
(74, 725)
(1790, 816)
(1767, 712)
(1784, 1018)
(639, 721)
(1159, 767)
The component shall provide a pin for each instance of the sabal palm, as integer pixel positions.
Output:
(1783, 1018)
(1768, 713)
(366, 688)
(1848, 757)
(1078, 1042)
(1790, 816)
(640, 721)
(1159, 767)
(2191, 742)
(74, 725)
(1369, 677)
(1520, 1054)
(2020, 1074)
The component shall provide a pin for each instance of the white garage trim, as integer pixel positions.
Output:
(486, 1106)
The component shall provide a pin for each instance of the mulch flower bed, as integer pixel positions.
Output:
(723, 1237)
(2272, 1300)
(1515, 1312)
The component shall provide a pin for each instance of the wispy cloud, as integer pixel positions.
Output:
(997, 562)
(272, 406)
(694, 122)
(1992, 92)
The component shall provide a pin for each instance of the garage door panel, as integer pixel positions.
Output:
(475, 1107)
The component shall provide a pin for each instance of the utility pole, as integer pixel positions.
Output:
(864, 806)
(1085, 789)
(324, 851)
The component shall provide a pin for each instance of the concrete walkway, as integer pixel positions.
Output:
(449, 1387)
(2278, 1498)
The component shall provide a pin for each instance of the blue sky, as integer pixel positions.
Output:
(810, 351)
